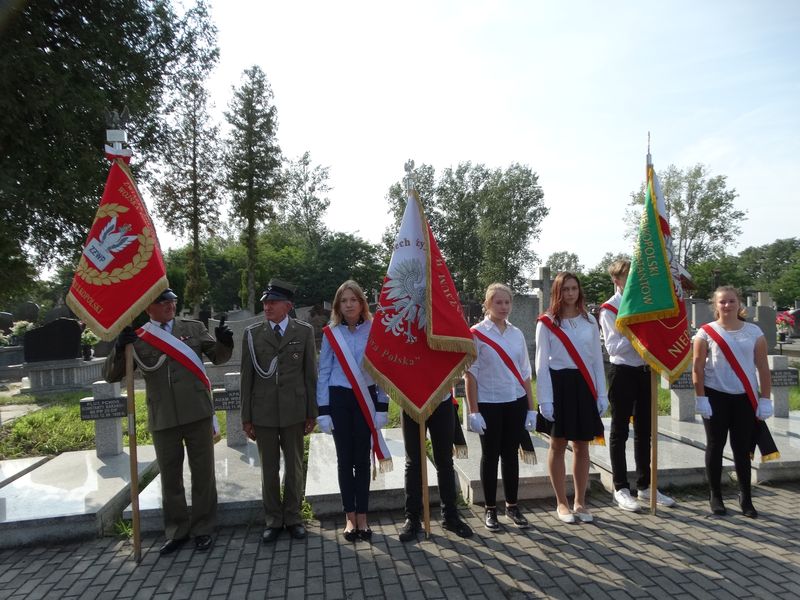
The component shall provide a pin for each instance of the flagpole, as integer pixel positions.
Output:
(653, 394)
(423, 469)
(137, 537)
(116, 135)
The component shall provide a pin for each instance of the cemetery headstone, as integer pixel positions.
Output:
(6, 321)
(59, 340)
(27, 311)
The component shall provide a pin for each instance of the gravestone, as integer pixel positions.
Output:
(59, 340)
(106, 407)
(27, 311)
(525, 311)
(795, 329)
(102, 349)
(544, 285)
(765, 319)
(783, 379)
(216, 373)
(58, 312)
(6, 321)
(700, 314)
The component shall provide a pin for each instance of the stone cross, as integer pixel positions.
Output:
(543, 284)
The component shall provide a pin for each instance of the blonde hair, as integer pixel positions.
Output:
(619, 268)
(336, 313)
(742, 312)
(491, 292)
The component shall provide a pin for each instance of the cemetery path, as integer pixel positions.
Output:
(679, 553)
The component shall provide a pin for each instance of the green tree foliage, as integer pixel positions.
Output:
(763, 265)
(564, 261)
(483, 219)
(62, 65)
(723, 270)
(702, 216)
(306, 203)
(252, 165)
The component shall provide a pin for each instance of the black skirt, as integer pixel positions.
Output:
(574, 407)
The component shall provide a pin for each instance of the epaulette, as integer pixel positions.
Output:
(304, 323)
(185, 320)
(254, 325)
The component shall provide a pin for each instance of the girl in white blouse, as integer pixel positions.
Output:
(565, 397)
(721, 398)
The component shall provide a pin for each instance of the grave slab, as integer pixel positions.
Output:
(386, 490)
(789, 425)
(238, 474)
(9, 412)
(17, 467)
(786, 468)
(534, 481)
(75, 495)
(679, 464)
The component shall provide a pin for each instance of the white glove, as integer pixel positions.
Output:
(530, 420)
(702, 406)
(381, 420)
(546, 408)
(325, 423)
(765, 409)
(476, 423)
(602, 405)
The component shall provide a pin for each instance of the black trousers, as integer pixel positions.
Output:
(351, 435)
(505, 424)
(729, 413)
(441, 427)
(629, 396)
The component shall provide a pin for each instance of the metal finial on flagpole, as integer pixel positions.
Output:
(116, 134)
(649, 158)
(409, 178)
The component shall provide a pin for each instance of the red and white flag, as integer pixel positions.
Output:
(121, 270)
(419, 342)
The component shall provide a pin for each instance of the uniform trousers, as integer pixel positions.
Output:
(729, 413)
(505, 425)
(629, 396)
(169, 443)
(441, 427)
(352, 437)
(271, 441)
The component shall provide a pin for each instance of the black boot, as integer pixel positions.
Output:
(746, 503)
(717, 506)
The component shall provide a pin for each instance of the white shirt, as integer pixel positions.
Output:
(283, 324)
(166, 326)
(620, 351)
(551, 354)
(718, 373)
(496, 382)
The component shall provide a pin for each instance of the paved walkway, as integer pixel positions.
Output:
(681, 553)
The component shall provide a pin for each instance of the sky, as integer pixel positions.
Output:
(569, 88)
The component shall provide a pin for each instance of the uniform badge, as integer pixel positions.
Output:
(295, 355)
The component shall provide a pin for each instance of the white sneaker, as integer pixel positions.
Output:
(625, 501)
(661, 499)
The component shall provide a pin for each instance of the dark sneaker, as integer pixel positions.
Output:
(514, 515)
(457, 526)
(409, 530)
(490, 520)
(717, 506)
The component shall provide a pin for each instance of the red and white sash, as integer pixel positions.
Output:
(355, 376)
(610, 307)
(735, 360)
(576, 358)
(501, 352)
(176, 349)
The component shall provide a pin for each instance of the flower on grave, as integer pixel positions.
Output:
(784, 321)
(20, 328)
(4, 339)
(88, 337)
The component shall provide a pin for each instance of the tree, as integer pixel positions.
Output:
(62, 65)
(512, 210)
(702, 217)
(763, 265)
(786, 289)
(252, 164)
(564, 261)
(306, 203)
(723, 270)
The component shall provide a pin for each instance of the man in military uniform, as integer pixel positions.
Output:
(180, 411)
(278, 392)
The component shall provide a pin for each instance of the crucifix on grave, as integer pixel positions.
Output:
(543, 284)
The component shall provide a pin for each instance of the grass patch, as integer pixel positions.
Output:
(43, 400)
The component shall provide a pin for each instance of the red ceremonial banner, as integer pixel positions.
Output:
(419, 341)
(121, 270)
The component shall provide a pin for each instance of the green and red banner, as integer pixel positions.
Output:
(121, 270)
(652, 313)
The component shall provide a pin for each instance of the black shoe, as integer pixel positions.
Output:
(270, 534)
(203, 542)
(514, 515)
(490, 520)
(409, 530)
(350, 536)
(171, 545)
(457, 526)
(717, 506)
(365, 535)
(746, 503)
(297, 531)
